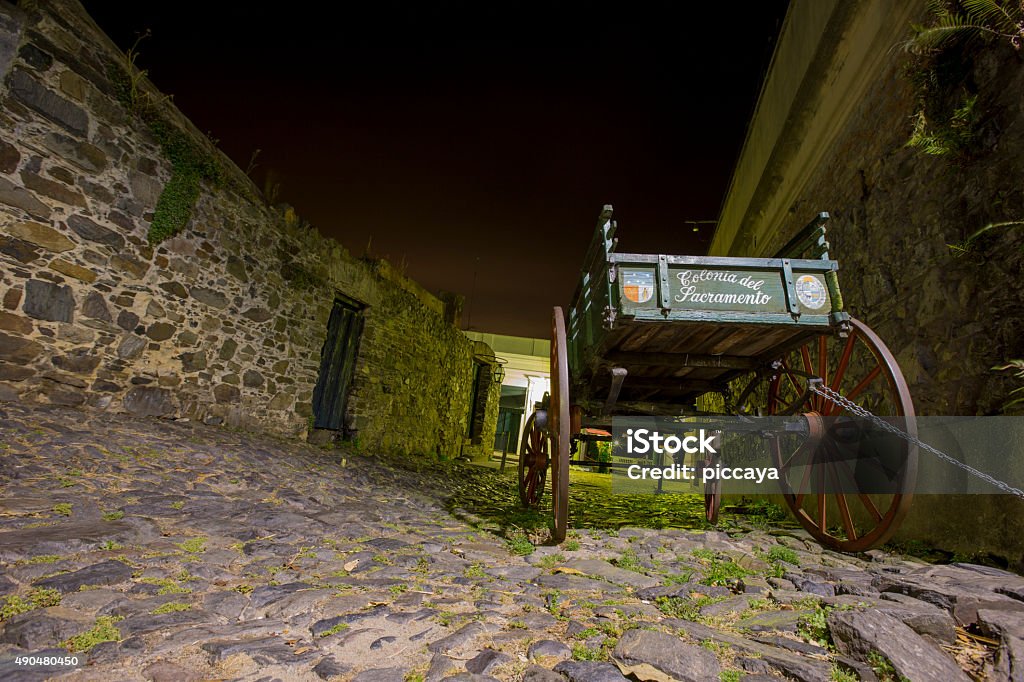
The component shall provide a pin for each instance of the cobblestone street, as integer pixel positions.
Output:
(160, 550)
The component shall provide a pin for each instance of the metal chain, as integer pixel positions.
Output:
(829, 394)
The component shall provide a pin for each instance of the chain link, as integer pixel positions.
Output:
(829, 394)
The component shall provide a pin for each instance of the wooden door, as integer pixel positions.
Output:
(338, 359)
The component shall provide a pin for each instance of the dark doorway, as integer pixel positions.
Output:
(510, 415)
(338, 359)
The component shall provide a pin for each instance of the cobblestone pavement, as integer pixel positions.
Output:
(154, 550)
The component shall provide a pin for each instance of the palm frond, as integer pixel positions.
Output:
(992, 13)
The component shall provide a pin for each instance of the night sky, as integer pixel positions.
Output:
(474, 142)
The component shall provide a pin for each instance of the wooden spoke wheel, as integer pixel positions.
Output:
(533, 462)
(849, 484)
(559, 426)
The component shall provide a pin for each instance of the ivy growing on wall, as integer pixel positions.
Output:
(191, 164)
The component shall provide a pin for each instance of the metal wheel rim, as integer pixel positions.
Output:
(533, 463)
(885, 512)
(558, 426)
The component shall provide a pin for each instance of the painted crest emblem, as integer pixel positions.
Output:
(638, 285)
(810, 291)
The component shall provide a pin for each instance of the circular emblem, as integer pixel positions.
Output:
(811, 291)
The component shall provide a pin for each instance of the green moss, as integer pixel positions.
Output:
(36, 599)
(171, 607)
(519, 544)
(113, 515)
(780, 553)
(63, 508)
(41, 559)
(103, 631)
(166, 586)
(193, 545)
(334, 630)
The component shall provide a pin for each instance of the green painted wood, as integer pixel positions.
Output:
(729, 316)
(337, 362)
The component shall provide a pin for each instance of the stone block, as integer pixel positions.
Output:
(127, 320)
(12, 298)
(19, 250)
(131, 347)
(85, 156)
(71, 270)
(160, 331)
(133, 266)
(149, 401)
(95, 307)
(211, 297)
(79, 363)
(54, 190)
(87, 228)
(38, 97)
(193, 362)
(9, 372)
(252, 379)
(15, 323)
(225, 393)
(174, 288)
(40, 235)
(47, 301)
(9, 157)
(19, 197)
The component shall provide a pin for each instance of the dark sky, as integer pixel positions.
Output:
(476, 142)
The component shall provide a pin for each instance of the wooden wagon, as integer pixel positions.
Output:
(651, 334)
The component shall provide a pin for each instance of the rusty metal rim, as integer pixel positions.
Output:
(898, 504)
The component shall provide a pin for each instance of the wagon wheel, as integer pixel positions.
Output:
(830, 482)
(533, 462)
(559, 426)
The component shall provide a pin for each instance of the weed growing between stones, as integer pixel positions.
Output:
(167, 586)
(103, 631)
(36, 599)
(630, 561)
(883, 668)
(334, 630)
(171, 607)
(780, 553)
(193, 545)
(519, 544)
(41, 559)
(814, 626)
(840, 675)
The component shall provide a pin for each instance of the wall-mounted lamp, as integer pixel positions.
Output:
(498, 373)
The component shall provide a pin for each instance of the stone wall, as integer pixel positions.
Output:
(948, 318)
(222, 323)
